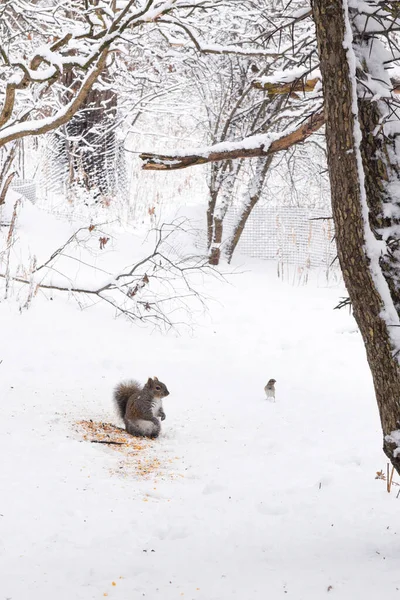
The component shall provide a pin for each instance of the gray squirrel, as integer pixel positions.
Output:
(141, 407)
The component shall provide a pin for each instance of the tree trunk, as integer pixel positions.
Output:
(215, 249)
(213, 186)
(369, 280)
(221, 186)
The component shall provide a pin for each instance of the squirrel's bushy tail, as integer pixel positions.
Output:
(122, 393)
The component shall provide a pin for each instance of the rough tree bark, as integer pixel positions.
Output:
(351, 225)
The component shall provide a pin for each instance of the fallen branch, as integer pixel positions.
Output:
(242, 149)
(155, 289)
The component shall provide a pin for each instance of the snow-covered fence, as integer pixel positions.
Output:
(26, 187)
(289, 235)
(61, 172)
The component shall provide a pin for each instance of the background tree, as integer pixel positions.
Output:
(234, 109)
(53, 55)
(230, 49)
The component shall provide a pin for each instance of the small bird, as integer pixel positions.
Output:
(270, 389)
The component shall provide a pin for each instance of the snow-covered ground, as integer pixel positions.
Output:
(250, 499)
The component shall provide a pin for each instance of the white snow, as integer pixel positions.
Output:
(300, 13)
(394, 437)
(251, 499)
(262, 140)
(288, 75)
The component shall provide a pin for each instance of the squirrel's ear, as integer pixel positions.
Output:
(150, 382)
(155, 378)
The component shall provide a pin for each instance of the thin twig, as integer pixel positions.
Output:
(108, 442)
(391, 480)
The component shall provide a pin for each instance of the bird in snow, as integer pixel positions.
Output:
(270, 389)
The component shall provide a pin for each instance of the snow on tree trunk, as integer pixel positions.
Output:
(222, 182)
(363, 203)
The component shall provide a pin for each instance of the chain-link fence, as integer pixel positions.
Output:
(62, 173)
(296, 236)
(26, 187)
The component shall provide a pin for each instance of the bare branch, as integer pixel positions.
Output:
(6, 185)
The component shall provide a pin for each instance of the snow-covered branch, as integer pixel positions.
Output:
(253, 146)
(63, 115)
(292, 82)
(273, 86)
(38, 75)
(206, 48)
